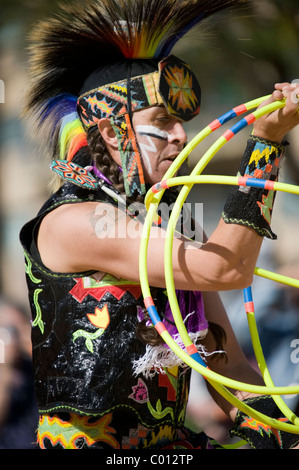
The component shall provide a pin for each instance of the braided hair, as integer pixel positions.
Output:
(106, 165)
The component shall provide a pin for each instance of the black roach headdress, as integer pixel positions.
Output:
(107, 58)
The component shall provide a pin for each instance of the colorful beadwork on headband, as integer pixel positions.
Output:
(179, 88)
(174, 85)
(111, 100)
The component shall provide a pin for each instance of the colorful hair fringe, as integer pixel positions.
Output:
(59, 121)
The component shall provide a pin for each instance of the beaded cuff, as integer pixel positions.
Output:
(251, 206)
(259, 435)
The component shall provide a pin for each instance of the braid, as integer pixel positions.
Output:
(107, 165)
(103, 160)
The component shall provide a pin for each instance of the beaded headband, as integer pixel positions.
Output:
(174, 86)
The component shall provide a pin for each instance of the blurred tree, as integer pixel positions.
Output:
(261, 39)
(25, 11)
(257, 46)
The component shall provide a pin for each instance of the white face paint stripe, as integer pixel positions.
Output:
(144, 150)
(152, 131)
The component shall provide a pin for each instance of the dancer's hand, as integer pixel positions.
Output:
(276, 125)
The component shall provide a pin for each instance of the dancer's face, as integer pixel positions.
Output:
(161, 137)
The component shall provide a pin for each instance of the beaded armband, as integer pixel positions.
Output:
(253, 206)
(259, 435)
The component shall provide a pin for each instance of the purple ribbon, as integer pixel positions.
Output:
(191, 305)
(99, 174)
(190, 302)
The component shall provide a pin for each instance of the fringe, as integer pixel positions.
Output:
(158, 358)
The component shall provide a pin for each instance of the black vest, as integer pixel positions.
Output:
(84, 338)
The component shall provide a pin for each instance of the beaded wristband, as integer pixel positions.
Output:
(259, 435)
(250, 206)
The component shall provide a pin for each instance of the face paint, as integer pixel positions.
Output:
(149, 132)
(152, 131)
(160, 139)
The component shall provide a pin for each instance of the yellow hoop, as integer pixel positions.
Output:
(152, 200)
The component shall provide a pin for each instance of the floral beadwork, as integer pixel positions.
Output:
(73, 173)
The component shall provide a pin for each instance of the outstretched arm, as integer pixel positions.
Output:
(226, 261)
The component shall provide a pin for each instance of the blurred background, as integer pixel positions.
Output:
(237, 57)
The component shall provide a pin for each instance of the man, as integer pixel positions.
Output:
(103, 377)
